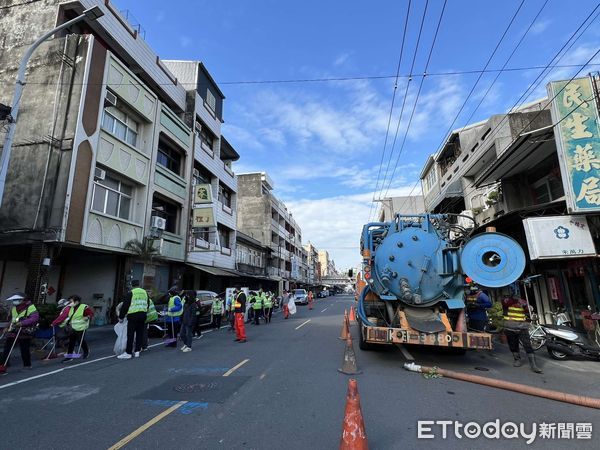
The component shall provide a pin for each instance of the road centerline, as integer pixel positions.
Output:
(147, 425)
(302, 324)
(234, 368)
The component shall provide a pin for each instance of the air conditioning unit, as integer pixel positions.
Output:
(99, 174)
(110, 99)
(158, 223)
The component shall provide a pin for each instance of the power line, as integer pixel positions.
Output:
(412, 66)
(468, 96)
(538, 79)
(392, 105)
(416, 100)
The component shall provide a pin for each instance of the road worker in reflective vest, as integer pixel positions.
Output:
(135, 307)
(257, 306)
(174, 313)
(75, 319)
(516, 328)
(268, 307)
(310, 300)
(23, 316)
(216, 311)
(239, 303)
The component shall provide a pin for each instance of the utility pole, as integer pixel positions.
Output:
(90, 14)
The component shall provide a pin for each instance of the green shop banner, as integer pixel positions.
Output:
(577, 133)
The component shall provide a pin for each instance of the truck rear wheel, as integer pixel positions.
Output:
(362, 344)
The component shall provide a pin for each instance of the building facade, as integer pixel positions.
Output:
(313, 269)
(125, 150)
(531, 174)
(391, 206)
(265, 218)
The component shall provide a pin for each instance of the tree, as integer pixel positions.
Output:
(146, 252)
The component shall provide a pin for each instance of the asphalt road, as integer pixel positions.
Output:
(281, 390)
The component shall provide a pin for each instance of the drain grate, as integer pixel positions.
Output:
(199, 388)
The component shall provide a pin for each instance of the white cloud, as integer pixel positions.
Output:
(335, 223)
(341, 59)
(540, 26)
(185, 41)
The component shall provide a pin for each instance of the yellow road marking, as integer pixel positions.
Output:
(147, 425)
(302, 324)
(234, 368)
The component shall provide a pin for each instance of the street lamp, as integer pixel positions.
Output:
(91, 14)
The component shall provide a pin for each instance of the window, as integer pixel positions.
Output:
(210, 100)
(223, 236)
(113, 197)
(169, 158)
(547, 189)
(168, 211)
(205, 135)
(121, 125)
(224, 196)
(202, 176)
(430, 179)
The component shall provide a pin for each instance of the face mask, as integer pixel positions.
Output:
(17, 302)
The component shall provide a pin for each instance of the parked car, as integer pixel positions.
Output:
(300, 296)
(322, 294)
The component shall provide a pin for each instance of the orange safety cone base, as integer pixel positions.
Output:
(354, 436)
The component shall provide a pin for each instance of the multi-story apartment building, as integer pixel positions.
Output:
(88, 171)
(252, 257)
(532, 174)
(110, 148)
(265, 218)
(210, 249)
(323, 256)
(312, 260)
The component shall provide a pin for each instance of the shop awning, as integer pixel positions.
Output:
(214, 270)
(250, 275)
(528, 150)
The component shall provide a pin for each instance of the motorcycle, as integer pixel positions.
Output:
(537, 334)
(563, 341)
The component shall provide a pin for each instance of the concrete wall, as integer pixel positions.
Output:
(43, 143)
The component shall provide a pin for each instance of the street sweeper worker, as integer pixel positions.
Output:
(135, 307)
(74, 320)
(174, 313)
(22, 322)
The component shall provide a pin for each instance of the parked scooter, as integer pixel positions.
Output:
(563, 341)
(537, 334)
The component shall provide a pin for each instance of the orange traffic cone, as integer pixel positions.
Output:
(349, 362)
(354, 436)
(352, 314)
(345, 328)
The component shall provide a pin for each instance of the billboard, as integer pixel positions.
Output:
(577, 132)
(557, 237)
(203, 217)
(202, 194)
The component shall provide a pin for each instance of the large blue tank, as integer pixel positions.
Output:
(421, 260)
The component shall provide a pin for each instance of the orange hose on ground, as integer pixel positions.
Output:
(580, 400)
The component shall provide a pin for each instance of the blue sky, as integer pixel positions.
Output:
(322, 142)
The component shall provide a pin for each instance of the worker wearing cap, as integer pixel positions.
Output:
(477, 303)
(135, 307)
(174, 313)
(516, 329)
(239, 301)
(23, 319)
(268, 307)
(75, 319)
(216, 311)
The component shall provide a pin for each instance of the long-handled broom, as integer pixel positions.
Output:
(3, 366)
(172, 339)
(78, 354)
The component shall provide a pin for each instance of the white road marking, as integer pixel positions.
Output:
(42, 375)
(234, 368)
(302, 324)
(262, 377)
(324, 310)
